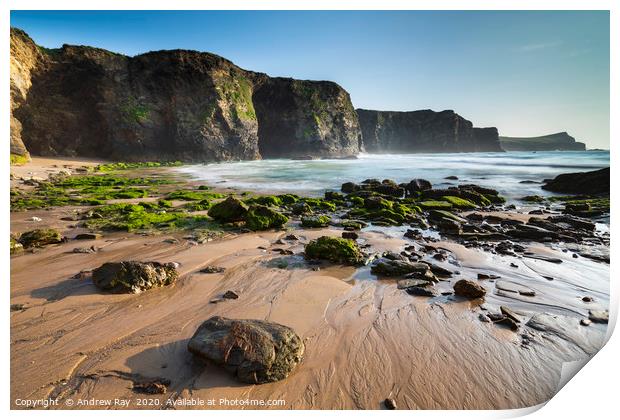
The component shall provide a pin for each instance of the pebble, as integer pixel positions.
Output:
(390, 404)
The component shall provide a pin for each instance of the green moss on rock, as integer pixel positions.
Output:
(459, 203)
(315, 221)
(229, 210)
(40, 237)
(261, 217)
(337, 250)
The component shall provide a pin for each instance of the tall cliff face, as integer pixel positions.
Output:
(309, 118)
(423, 131)
(557, 141)
(169, 105)
(26, 59)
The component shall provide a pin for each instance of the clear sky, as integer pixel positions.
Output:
(527, 73)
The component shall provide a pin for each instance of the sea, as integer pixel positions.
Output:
(513, 174)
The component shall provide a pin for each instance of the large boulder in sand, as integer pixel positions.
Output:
(40, 237)
(469, 289)
(338, 250)
(133, 276)
(593, 182)
(254, 351)
(262, 217)
(229, 210)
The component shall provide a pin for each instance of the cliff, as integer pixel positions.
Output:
(305, 118)
(25, 59)
(557, 141)
(423, 131)
(168, 105)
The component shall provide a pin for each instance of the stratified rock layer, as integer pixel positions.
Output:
(423, 131)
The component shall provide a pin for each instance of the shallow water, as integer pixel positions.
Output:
(502, 171)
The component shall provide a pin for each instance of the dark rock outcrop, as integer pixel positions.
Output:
(557, 141)
(305, 118)
(593, 182)
(254, 351)
(423, 131)
(168, 105)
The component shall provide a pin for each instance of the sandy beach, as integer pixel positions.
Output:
(366, 340)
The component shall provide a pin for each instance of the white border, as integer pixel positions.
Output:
(590, 395)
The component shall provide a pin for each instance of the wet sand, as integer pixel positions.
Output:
(365, 339)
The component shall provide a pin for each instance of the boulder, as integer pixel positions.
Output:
(134, 276)
(395, 268)
(229, 210)
(315, 221)
(262, 217)
(254, 351)
(469, 289)
(593, 182)
(417, 185)
(40, 237)
(338, 250)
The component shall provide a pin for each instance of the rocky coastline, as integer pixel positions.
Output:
(270, 289)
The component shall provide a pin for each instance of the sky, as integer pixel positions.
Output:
(527, 73)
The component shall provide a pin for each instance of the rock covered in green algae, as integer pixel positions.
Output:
(133, 276)
(40, 237)
(333, 249)
(16, 246)
(254, 351)
(261, 217)
(315, 221)
(229, 210)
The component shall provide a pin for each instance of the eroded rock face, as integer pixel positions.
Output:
(423, 131)
(254, 351)
(26, 59)
(168, 105)
(300, 118)
(133, 276)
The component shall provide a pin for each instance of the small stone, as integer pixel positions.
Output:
(17, 307)
(527, 293)
(87, 236)
(80, 250)
(35, 219)
(350, 235)
(585, 322)
(291, 237)
(599, 317)
(230, 295)
(421, 291)
(171, 241)
(158, 386)
(587, 299)
(484, 318)
(514, 265)
(390, 404)
(211, 269)
(510, 314)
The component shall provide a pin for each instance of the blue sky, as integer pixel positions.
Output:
(527, 73)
